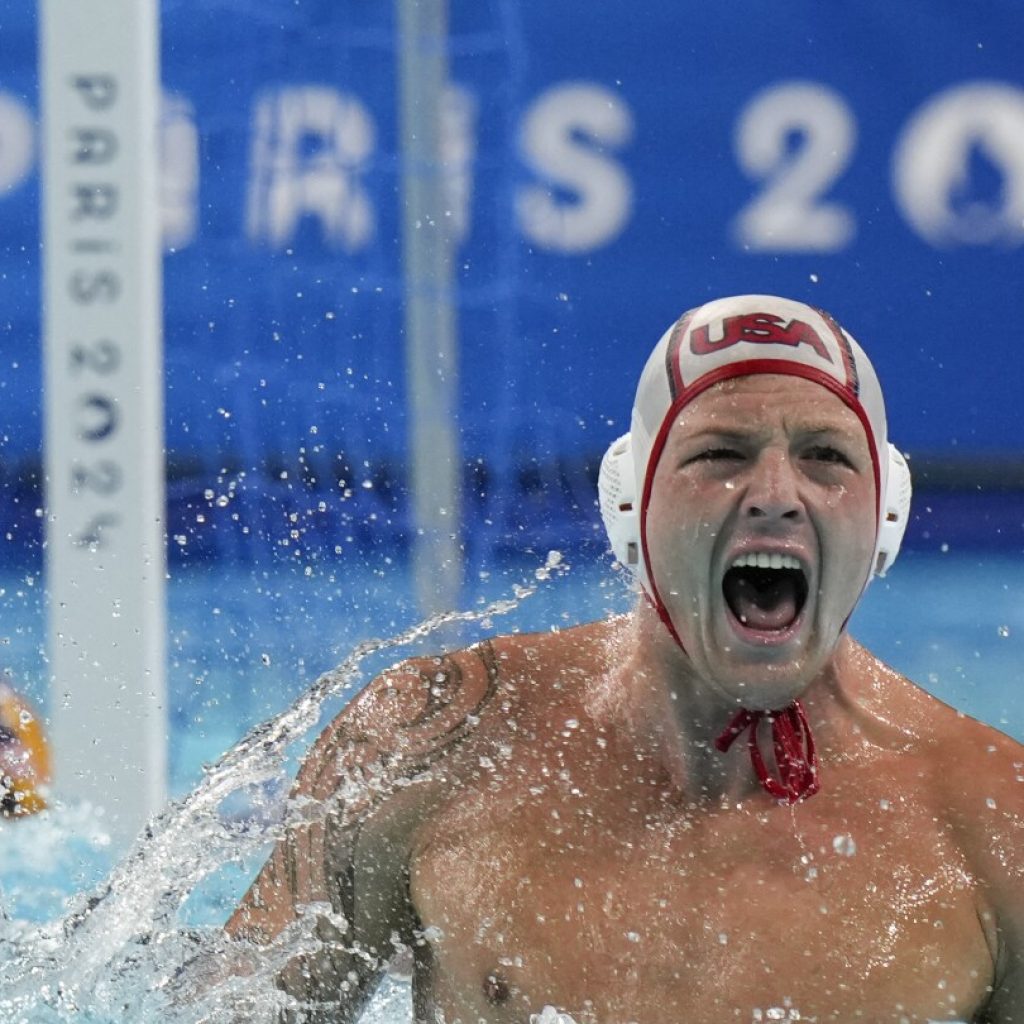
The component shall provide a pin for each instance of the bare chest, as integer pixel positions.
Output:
(613, 914)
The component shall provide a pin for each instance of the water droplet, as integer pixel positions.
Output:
(844, 845)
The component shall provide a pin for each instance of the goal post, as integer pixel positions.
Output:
(103, 406)
(431, 335)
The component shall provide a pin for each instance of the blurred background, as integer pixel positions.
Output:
(605, 166)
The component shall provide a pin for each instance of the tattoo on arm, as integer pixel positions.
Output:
(405, 723)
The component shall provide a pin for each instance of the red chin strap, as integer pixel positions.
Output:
(795, 759)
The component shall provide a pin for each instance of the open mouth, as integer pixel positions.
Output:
(765, 593)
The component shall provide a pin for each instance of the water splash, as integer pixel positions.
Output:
(121, 954)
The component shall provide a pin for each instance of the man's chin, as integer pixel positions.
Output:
(760, 694)
(765, 679)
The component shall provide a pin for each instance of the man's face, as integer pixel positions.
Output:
(760, 531)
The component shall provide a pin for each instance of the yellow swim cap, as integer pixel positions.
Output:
(24, 757)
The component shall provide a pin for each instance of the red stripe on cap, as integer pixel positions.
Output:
(849, 363)
(673, 364)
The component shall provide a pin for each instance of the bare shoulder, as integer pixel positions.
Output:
(975, 768)
(979, 772)
(338, 872)
(408, 718)
(406, 744)
(544, 673)
(436, 711)
(560, 656)
(982, 775)
(969, 779)
(976, 779)
(959, 753)
(364, 784)
(971, 773)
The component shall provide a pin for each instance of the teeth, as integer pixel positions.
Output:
(763, 560)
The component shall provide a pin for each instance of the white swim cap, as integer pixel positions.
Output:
(737, 337)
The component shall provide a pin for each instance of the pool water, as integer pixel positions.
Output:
(246, 641)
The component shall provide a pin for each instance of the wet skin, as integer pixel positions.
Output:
(544, 821)
(581, 872)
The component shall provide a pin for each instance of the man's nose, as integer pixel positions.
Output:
(773, 492)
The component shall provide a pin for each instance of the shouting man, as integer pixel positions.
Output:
(718, 807)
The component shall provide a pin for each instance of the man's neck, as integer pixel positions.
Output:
(670, 711)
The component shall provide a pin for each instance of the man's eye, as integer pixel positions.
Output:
(826, 453)
(717, 455)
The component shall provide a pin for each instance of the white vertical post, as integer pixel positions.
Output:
(430, 331)
(103, 391)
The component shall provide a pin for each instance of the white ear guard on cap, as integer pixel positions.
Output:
(620, 509)
(894, 512)
(620, 506)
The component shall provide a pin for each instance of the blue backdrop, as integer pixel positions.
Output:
(609, 165)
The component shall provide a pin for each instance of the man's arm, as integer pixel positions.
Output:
(368, 781)
(1005, 850)
(990, 800)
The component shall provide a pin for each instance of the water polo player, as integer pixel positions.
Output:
(718, 807)
(24, 757)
